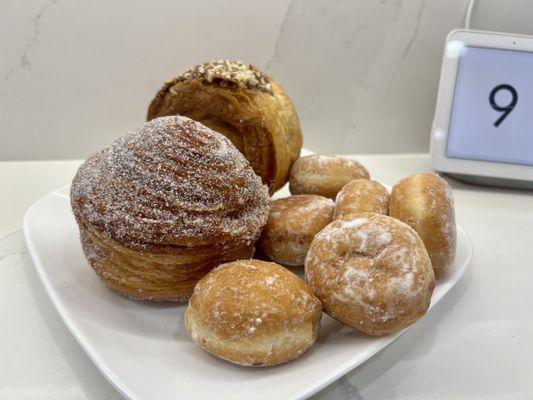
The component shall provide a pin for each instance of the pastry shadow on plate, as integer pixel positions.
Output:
(259, 254)
(152, 319)
(422, 336)
(202, 356)
(330, 326)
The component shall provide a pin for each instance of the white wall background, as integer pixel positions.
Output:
(363, 74)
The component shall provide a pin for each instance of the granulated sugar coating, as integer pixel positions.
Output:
(174, 181)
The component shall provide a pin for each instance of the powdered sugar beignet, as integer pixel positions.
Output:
(371, 272)
(253, 313)
(324, 175)
(425, 202)
(292, 224)
(362, 195)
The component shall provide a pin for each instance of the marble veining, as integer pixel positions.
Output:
(5, 257)
(282, 29)
(362, 74)
(408, 45)
(24, 61)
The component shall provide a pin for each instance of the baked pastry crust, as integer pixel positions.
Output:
(162, 206)
(152, 275)
(324, 175)
(253, 313)
(243, 103)
(371, 272)
(362, 195)
(425, 202)
(292, 224)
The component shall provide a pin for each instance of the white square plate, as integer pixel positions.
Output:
(143, 348)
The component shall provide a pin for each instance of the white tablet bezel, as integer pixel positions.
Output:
(439, 132)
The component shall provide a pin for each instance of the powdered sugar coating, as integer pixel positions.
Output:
(174, 181)
(324, 175)
(257, 293)
(361, 195)
(241, 310)
(371, 272)
(425, 202)
(291, 226)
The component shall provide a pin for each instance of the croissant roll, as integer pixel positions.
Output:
(162, 206)
(244, 104)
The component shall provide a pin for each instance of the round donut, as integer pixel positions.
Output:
(292, 224)
(324, 175)
(425, 202)
(362, 195)
(253, 313)
(371, 272)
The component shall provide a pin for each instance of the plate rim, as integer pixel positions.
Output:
(80, 338)
(78, 335)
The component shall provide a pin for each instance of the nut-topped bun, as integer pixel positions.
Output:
(253, 313)
(362, 195)
(425, 202)
(371, 272)
(292, 224)
(324, 175)
(162, 206)
(243, 103)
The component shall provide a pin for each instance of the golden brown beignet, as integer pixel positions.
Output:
(371, 272)
(253, 313)
(425, 202)
(162, 206)
(243, 103)
(362, 195)
(292, 224)
(324, 175)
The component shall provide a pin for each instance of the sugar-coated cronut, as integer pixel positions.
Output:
(362, 195)
(292, 224)
(324, 175)
(425, 202)
(253, 313)
(243, 103)
(162, 206)
(371, 272)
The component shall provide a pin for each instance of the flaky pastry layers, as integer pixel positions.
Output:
(162, 206)
(244, 104)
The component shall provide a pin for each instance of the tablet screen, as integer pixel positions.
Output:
(492, 112)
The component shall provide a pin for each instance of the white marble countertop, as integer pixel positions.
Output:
(477, 343)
